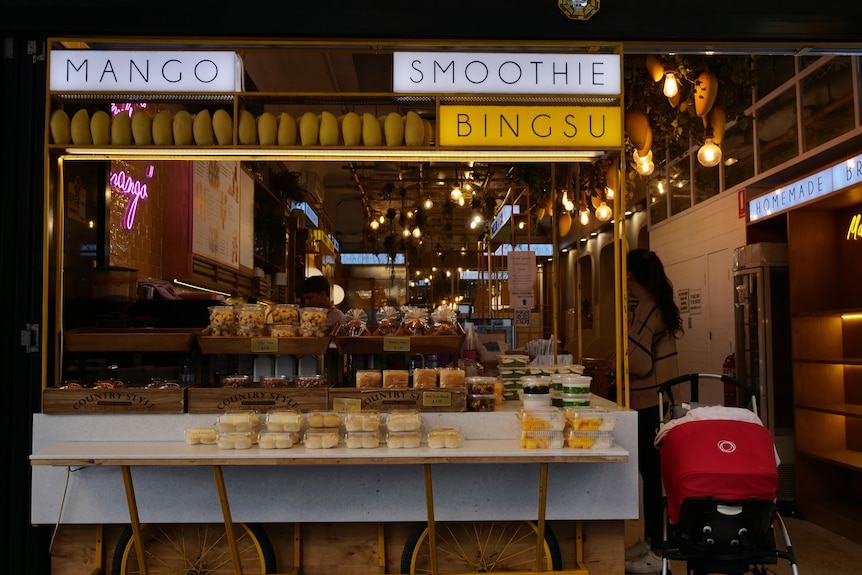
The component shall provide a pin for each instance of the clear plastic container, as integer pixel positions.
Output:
(201, 435)
(323, 419)
(589, 439)
(284, 420)
(451, 377)
(424, 377)
(362, 439)
(285, 314)
(550, 419)
(312, 322)
(575, 384)
(445, 438)
(369, 378)
(222, 320)
(576, 400)
(513, 361)
(362, 421)
(306, 381)
(404, 420)
(480, 384)
(589, 419)
(238, 421)
(284, 330)
(236, 381)
(534, 401)
(250, 319)
(481, 401)
(235, 440)
(541, 439)
(395, 378)
(403, 439)
(277, 439)
(321, 438)
(273, 381)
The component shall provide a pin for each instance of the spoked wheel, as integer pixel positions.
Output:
(194, 549)
(480, 547)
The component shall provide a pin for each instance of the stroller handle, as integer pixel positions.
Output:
(666, 387)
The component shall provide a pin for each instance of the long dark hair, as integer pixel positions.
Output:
(646, 268)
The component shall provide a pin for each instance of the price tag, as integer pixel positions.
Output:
(346, 405)
(437, 399)
(264, 345)
(396, 344)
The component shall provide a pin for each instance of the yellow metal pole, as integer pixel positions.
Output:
(555, 263)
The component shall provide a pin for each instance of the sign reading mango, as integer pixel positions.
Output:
(596, 127)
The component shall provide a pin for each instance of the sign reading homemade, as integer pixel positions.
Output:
(595, 127)
(140, 71)
(506, 73)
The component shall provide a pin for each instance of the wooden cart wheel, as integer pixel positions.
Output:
(194, 549)
(480, 547)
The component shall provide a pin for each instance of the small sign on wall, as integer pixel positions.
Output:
(682, 300)
(694, 302)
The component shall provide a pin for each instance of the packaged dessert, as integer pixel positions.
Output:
(551, 419)
(403, 439)
(424, 377)
(283, 420)
(362, 439)
(481, 401)
(235, 440)
(395, 378)
(236, 381)
(451, 377)
(321, 438)
(589, 419)
(480, 384)
(284, 330)
(362, 421)
(534, 401)
(541, 439)
(250, 319)
(222, 320)
(241, 420)
(277, 439)
(404, 420)
(369, 378)
(414, 321)
(201, 435)
(285, 314)
(317, 419)
(310, 381)
(312, 322)
(273, 381)
(445, 321)
(589, 439)
(388, 321)
(576, 399)
(513, 361)
(576, 384)
(445, 437)
(355, 323)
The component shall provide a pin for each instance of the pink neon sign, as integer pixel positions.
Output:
(134, 189)
(128, 108)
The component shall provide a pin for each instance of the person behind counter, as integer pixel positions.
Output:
(316, 293)
(652, 358)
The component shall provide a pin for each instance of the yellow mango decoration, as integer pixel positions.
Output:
(286, 135)
(202, 129)
(182, 128)
(121, 129)
(142, 128)
(372, 135)
(705, 90)
(163, 131)
(223, 127)
(61, 127)
(351, 129)
(267, 129)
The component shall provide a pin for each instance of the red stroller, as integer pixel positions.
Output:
(720, 477)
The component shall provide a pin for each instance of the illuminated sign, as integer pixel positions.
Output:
(134, 189)
(506, 73)
(595, 127)
(309, 213)
(141, 71)
(854, 230)
(502, 217)
(809, 188)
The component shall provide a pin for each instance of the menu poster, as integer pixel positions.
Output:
(217, 211)
(246, 220)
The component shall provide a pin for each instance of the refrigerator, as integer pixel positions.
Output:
(761, 283)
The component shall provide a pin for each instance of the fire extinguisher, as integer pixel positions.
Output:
(729, 369)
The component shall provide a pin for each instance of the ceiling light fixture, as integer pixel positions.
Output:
(709, 155)
(604, 212)
(643, 165)
(671, 84)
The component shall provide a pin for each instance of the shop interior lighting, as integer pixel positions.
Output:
(671, 84)
(709, 154)
(604, 212)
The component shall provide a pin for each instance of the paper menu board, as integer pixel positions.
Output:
(216, 232)
(522, 278)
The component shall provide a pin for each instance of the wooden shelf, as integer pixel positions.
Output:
(134, 339)
(842, 457)
(831, 361)
(247, 345)
(846, 409)
(394, 344)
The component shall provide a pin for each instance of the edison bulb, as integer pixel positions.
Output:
(709, 154)
(671, 85)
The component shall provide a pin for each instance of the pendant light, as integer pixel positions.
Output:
(709, 154)
(604, 212)
(671, 84)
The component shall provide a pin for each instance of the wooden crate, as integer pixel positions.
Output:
(439, 399)
(218, 400)
(124, 400)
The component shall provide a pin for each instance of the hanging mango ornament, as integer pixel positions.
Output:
(564, 224)
(717, 119)
(638, 129)
(675, 100)
(549, 205)
(705, 90)
(611, 182)
(540, 213)
(655, 67)
(596, 199)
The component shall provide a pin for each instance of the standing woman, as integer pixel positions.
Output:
(652, 359)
